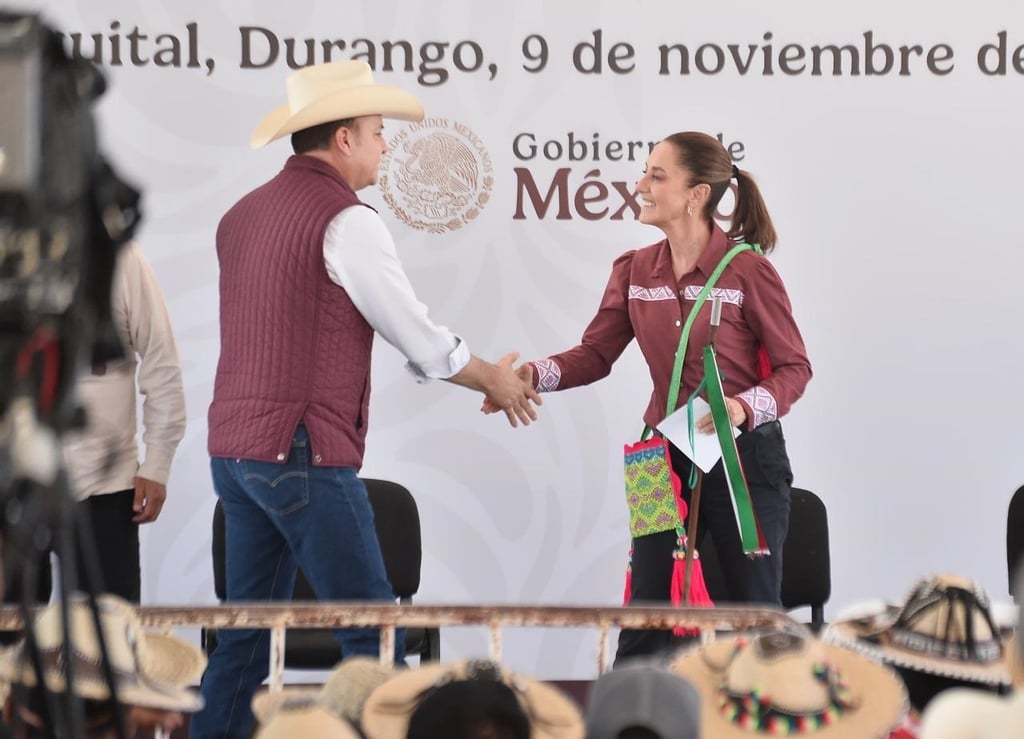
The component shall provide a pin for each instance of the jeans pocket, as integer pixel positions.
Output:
(773, 460)
(277, 488)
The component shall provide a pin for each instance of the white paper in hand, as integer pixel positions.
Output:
(706, 450)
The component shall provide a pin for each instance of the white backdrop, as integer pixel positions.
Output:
(896, 197)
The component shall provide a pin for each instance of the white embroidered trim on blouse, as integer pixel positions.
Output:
(735, 297)
(549, 374)
(763, 404)
(651, 293)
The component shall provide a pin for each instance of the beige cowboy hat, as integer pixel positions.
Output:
(343, 695)
(389, 708)
(152, 670)
(331, 92)
(311, 721)
(945, 627)
(783, 683)
(963, 713)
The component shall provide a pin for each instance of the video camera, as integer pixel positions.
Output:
(64, 214)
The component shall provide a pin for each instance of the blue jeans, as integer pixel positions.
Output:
(278, 517)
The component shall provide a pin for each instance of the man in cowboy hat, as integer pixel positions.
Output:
(966, 713)
(308, 274)
(469, 699)
(944, 636)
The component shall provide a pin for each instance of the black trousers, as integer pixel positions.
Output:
(748, 580)
(116, 540)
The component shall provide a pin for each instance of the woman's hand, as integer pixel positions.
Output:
(525, 374)
(737, 417)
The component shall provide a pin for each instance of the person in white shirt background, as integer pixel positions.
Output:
(116, 490)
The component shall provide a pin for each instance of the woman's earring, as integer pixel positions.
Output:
(689, 210)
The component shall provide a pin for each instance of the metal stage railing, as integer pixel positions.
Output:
(283, 615)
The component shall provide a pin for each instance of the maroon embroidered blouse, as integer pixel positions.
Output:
(643, 300)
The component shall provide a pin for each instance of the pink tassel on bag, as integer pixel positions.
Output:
(628, 594)
(699, 596)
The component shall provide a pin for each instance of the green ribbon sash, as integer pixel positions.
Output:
(751, 536)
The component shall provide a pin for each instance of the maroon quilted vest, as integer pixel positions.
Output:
(293, 347)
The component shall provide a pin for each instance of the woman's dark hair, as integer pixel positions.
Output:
(318, 137)
(708, 162)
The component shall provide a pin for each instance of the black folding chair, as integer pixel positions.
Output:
(1015, 540)
(397, 520)
(806, 559)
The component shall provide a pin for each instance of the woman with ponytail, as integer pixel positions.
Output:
(760, 352)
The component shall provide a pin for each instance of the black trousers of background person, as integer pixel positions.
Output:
(116, 539)
(748, 580)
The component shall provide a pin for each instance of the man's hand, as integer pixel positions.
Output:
(510, 391)
(149, 500)
(504, 389)
(525, 373)
(737, 416)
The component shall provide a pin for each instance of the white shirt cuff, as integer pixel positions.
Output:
(451, 365)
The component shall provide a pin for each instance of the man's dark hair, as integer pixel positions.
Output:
(318, 137)
(638, 732)
(923, 686)
(470, 709)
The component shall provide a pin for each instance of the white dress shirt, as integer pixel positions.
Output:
(104, 457)
(360, 256)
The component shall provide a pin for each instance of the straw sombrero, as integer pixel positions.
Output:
(331, 92)
(962, 713)
(306, 722)
(343, 694)
(945, 627)
(390, 707)
(151, 670)
(783, 683)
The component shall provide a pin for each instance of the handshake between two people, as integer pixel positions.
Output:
(506, 389)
